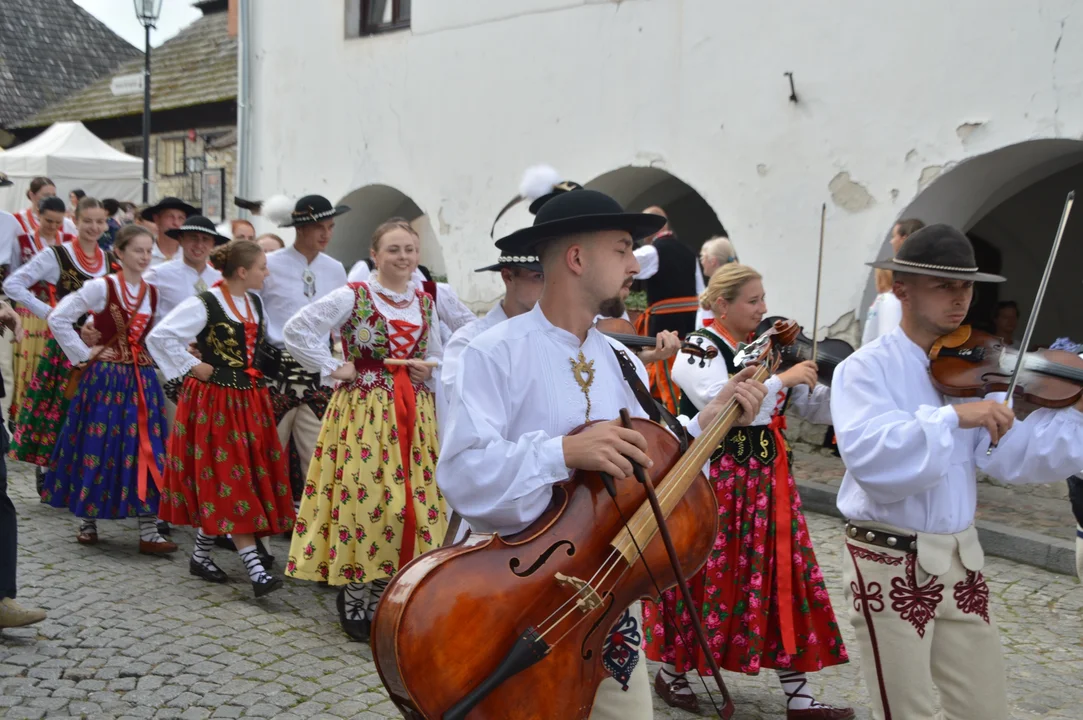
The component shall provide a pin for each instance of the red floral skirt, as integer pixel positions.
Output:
(226, 472)
(737, 591)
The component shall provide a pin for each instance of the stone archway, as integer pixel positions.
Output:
(636, 188)
(1009, 202)
(372, 205)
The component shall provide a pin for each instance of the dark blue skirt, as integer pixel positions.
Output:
(95, 464)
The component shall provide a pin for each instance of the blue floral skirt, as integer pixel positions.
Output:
(95, 464)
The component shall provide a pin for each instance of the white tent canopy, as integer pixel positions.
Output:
(73, 158)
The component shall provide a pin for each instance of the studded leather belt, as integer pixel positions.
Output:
(880, 538)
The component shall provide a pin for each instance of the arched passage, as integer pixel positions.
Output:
(636, 188)
(372, 205)
(1009, 203)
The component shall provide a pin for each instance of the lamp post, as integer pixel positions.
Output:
(147, 11)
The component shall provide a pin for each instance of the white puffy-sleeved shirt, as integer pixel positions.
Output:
(305, 333)
(177, 281)
(701, 384)
(43, 266)
(515, 397)
(449, 363)
(91, 298)
(169, 338)
(908, 463)
(283, 291)
(885, 314)
(454, 315)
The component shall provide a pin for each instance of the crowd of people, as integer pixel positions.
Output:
(170, 375)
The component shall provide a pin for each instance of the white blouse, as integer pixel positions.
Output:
(42, 267)
(701, 384)
(169, 339)
(90, 298)
(306, 333)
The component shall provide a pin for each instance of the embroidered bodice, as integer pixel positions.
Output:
(375, 331)
(124, 336)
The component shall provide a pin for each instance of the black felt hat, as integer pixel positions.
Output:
(313, 209)
(526, 262)
(568, 213)
(939, 251)
(198, 224)
(168, 203)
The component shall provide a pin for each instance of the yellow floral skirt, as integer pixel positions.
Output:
(28, 352)
(353, 509)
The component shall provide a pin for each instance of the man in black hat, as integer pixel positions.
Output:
(169, 214)
(914, 563)
(526, 383)
(300, 275)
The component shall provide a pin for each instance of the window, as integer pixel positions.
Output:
(379, 16)
(134, 147)
(171, 156)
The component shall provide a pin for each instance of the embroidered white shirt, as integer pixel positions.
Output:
(89, 298)
(283, 292)
(908, 463)
(177, 281)
(43, 266)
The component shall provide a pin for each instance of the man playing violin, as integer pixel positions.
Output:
(526, 383)
(913, 568)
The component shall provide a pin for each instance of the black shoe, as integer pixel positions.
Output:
(267, 586)
(357, 630)
(163, 528)
(209, 572)
(224, 541)
(39, 481)
(266, 559)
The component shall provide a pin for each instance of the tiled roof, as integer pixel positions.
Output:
(195, 67)
(50, 49)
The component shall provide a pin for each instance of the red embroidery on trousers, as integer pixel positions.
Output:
(866, 601)
(915, 603)
(972, 595)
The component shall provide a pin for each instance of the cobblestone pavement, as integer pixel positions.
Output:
(1038, 508)
(135, 636)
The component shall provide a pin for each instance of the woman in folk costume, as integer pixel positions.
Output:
(108, 458)
(41, 188)
(66, 267)
(31, 345)
(762, 594)
(370, 502)
(226, 472)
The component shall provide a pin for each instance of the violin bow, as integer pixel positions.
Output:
(1033, 319)
(819, 277)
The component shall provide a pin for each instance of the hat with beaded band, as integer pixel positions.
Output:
(939, 251)
(312, 209)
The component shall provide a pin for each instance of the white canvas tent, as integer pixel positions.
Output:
(72, 157)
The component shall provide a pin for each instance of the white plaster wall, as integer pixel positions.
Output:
(452, 111)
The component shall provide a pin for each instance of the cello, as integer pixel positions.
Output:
(513, 627)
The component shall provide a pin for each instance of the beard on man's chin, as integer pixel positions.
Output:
(613, 307)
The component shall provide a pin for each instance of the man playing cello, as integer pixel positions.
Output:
(525, 384)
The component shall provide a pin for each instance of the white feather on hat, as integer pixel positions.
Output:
(538, 180)
(278, 209)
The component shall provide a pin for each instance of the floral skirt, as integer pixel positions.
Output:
(226, 471)
(43, 408)
(349, 528)
(95, 467)
(736, 593)
(28, 352)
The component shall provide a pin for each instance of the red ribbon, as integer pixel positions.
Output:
(783, 537)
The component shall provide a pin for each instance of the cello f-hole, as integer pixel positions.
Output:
(586, 654)
(515, 562)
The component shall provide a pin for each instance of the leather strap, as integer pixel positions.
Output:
(452, 529)
(654, 409)
(868, 536)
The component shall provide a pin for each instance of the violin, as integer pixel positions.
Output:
(829, 352)
(624, 332)
(972, 363)
(513, 627)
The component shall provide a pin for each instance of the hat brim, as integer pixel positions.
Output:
(339, 210)
(149, 213)
(175, 233)
(638, 225)
(6, 183)
(530, 266)
(950, 274)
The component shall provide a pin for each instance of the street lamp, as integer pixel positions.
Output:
(147, 11)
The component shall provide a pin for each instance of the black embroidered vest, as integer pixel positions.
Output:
(221, 343)
(676, 278)
(740, 443)
(72, 276)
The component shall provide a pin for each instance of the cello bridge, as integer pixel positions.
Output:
(588, 596)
